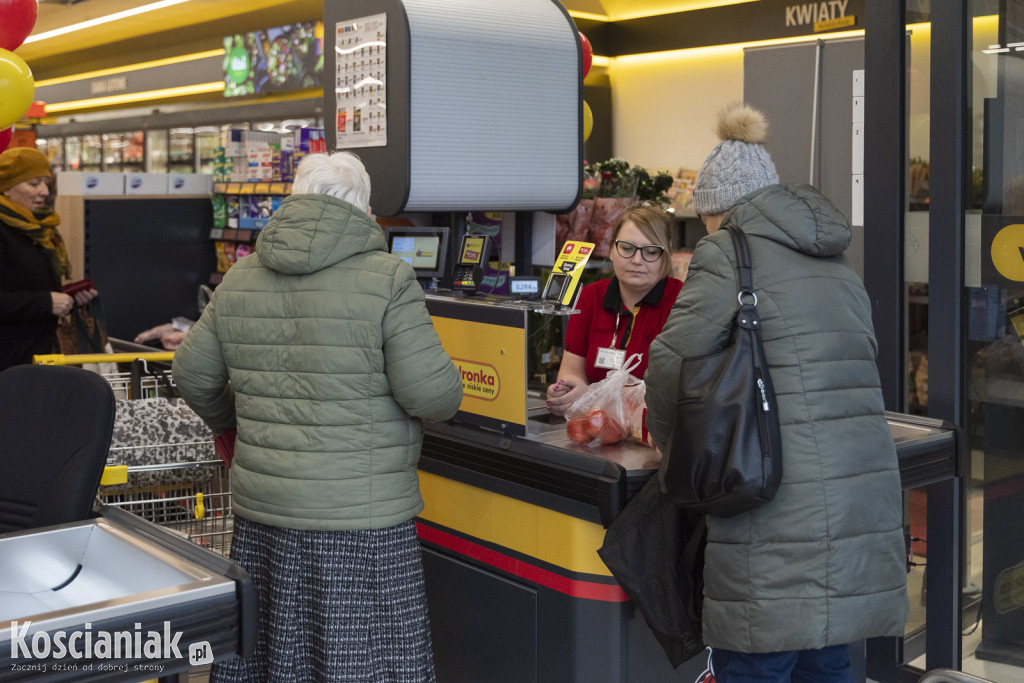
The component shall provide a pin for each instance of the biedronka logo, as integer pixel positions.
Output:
(79, 649)
(479, 380)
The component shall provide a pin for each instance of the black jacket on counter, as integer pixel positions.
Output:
(27, 323)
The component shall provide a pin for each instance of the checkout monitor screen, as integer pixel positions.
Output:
(422, 248)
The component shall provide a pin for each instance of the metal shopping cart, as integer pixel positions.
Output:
(162, 465)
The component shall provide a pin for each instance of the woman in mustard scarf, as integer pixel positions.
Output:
(33, 260)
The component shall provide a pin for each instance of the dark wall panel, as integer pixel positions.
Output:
(148, 257)
(796, 119)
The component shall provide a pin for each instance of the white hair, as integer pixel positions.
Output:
(340, 175)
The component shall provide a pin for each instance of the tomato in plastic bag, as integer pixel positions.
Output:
(577, 430)
(602, 409)
(601, 425)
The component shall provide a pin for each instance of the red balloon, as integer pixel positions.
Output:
(588, 54)
(19, 20)
(5, 137)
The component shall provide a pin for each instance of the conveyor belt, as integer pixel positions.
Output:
(593, 485)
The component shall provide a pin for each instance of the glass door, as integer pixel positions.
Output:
(994, 351)
(53, 148)
(133, 151)
(156, 142)
(92, 153)
(73, 152)
(181, 151)
(984, 223)
(208, 139)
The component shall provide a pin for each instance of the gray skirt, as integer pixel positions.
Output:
(334, 605)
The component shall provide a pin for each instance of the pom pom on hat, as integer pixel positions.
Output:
(738, 165)
(743, 124)
(19, 164)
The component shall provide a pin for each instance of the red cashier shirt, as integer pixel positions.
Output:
(592, 327)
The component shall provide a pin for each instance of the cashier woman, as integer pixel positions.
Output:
(621, 315)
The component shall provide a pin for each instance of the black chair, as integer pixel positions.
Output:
(55, 429)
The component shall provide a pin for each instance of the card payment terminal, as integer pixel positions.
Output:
(469, 269)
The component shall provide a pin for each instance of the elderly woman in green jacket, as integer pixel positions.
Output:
(790, 584)
(319, 349)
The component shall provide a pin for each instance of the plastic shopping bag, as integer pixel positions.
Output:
(602, 414)
(634, 395)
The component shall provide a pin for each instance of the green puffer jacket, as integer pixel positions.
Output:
(823, 563)
(319, 347)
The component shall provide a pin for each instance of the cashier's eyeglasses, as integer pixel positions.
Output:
(649, 252)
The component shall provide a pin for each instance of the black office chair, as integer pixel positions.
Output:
(55, 429)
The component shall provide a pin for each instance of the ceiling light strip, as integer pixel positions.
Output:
(132, 67)
(739, 46)
(166, 93)
(588, 15)
(99, 21)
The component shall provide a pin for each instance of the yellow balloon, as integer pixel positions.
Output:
(17, 87)
(588, 121)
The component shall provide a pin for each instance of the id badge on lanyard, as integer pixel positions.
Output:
(609, 357)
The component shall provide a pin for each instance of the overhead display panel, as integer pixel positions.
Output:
(458, 105)
(274, 59)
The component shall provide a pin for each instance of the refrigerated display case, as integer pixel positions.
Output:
(73, 152)
(91, 153)
(124, 152)
(156, 149)
(53, 148)
(207, 140)
(181, 151)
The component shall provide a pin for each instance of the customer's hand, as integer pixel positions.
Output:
(562, 394)
(154, 333)
(62, 303)
(172, 340)
(85, 296)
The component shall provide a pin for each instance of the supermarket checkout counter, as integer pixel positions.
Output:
(516, 512)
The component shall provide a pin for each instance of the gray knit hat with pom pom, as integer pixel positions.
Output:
(738, 165)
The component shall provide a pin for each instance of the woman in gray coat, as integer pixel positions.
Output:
(319, 349)
(790, 584)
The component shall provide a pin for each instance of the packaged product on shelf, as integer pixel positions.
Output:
(261, 164)
(220, 211)
(285, 166)
(233, 207)
(239, 169)
(221, 165)
(264, 208)
(229, 253)
(310, 140)
(222, 258)
(276, 166)
(297, 157)
(242, 249)
(247, 211)
(234, 139)
(264, 205)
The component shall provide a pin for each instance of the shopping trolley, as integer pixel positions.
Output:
(162, 465)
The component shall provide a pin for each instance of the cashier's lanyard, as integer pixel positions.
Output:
(611, 358)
